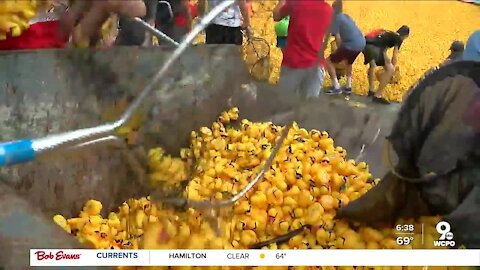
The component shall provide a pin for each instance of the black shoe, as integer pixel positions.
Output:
(371, 93)
(380, 100)
(347, 90)
(333, 91)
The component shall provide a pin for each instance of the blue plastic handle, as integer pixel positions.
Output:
(16, 152)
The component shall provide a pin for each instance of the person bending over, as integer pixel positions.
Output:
(375, 52)
(350, 43)
(303, 59)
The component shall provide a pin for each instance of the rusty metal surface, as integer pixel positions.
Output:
(52, 91)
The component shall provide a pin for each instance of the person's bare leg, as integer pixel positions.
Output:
(348, 74)
(332, 72)
(385, 78)
(378, 74)
(371, 76)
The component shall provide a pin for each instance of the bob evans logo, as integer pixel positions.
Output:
(446, 236)
(57, 256)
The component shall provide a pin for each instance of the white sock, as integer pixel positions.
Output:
(349, 82)
(336, 84)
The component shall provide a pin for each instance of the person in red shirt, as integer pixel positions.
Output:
(303, 59)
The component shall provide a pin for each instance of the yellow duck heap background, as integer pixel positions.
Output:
(431, 33)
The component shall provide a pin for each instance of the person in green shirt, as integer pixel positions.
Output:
(281, 29)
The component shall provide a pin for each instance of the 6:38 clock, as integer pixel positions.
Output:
(405, 228)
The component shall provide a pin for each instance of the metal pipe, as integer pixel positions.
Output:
(159, 34)
(171, 60)
(27, 150)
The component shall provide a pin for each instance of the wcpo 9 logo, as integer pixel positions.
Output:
(446, 236)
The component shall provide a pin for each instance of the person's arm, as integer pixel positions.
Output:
(188, 13)
(338, 40)
(244, 10)
(201, 6)
(395, 55)
(151, 6)
(398, 42)
(328, 33)
(281, 11)
(85, 18)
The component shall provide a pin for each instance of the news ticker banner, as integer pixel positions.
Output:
(326, 257)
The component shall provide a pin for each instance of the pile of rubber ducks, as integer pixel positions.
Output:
(310, 178)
